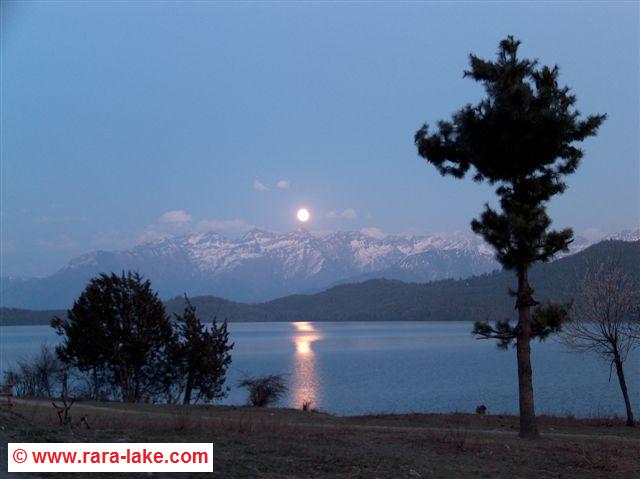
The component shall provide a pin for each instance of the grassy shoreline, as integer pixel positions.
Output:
(286, 443)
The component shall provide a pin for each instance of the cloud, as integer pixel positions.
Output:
(171, 223)
(175, 217)
(260, 186)
(179, 222)
(348, 214)
(593, 234)
(223, 225)
(151, 235)
(373, 232)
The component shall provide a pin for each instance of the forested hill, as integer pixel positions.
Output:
(476, 298)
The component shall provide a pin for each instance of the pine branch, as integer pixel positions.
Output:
(503, 332)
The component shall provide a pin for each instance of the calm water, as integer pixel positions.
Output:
(355, 368)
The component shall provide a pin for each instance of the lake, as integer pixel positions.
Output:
(397, 367)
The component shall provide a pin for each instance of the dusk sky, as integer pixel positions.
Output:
(125, 122)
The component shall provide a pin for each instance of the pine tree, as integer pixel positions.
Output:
(203, 356)
(522, 139)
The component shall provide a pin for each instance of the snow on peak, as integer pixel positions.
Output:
(302, 251)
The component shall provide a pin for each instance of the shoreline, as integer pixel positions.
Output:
(281, 321)
(285, 443)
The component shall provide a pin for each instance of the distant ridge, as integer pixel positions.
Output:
(260, 265)
(476, 298)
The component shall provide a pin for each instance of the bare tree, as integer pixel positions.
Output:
(264, 390)
(605, 319)
(42, 375)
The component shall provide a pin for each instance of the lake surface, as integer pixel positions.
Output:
(396, 367)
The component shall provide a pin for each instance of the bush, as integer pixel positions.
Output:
(265, 390)
(42, 375)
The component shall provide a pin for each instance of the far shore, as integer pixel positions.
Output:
(43, 318)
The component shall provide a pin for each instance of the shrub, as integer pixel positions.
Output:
(42, 375)
(265, 390)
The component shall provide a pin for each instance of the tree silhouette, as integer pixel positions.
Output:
(521, 138)
(202, 356)
(118, 330)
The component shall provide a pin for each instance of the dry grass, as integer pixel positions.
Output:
(281, 443)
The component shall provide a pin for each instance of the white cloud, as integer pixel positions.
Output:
(260, 186)
(593, 234)
(348, 214)
(171, 223)
(282, 184)
(175, 223)
(223, 225)
(373, 232)
(175, 217)
(151, 235)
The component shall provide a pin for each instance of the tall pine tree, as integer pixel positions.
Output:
(521, 138)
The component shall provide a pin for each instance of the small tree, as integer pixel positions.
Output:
(203, 356)
(604, 313)
(118, 330)
(521, 138)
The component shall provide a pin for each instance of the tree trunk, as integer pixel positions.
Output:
(623, 385)
(96, 385)
(528, 426)
(136, 386)
(187, 390)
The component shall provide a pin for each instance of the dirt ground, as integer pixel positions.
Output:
(284, 443)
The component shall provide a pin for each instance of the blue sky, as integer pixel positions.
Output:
(122, 122)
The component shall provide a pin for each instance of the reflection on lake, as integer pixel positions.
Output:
(304, 387)
(356, 368)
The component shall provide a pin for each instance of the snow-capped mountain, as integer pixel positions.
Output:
(626, 235)
(262, 265)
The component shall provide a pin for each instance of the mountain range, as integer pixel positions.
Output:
(475, 298)
(262, 265)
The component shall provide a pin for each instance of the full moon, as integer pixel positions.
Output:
(303, 215)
